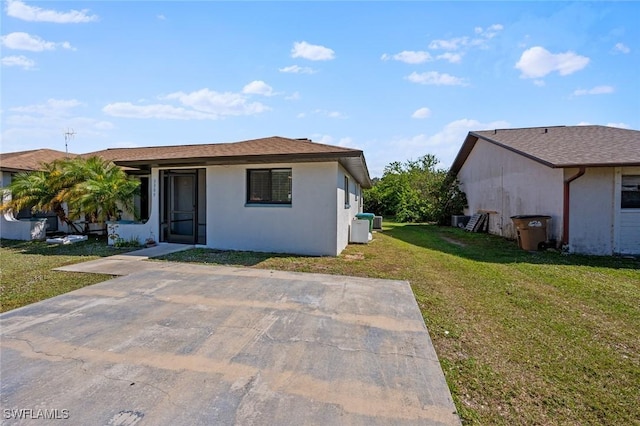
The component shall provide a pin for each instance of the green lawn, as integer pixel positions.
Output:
(523, 338)
(25, 269)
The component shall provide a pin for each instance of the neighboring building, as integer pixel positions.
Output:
(587, 178)
(10, 225)
(272, 194)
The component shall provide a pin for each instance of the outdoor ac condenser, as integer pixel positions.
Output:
(359, 231)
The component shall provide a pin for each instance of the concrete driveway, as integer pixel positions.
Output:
(181, 344)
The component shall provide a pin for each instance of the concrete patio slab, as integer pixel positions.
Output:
(182, 344)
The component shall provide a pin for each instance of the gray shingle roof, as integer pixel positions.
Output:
(562, 146)
(29, 160)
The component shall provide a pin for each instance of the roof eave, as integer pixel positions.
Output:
(353, 161)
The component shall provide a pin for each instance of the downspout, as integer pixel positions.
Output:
(566, 204)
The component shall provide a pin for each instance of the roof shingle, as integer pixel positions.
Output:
(563, 146)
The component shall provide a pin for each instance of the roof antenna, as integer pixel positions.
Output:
(68, 135)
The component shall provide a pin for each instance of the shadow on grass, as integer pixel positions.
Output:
(484, 247)
(223, 257)
(94, 246)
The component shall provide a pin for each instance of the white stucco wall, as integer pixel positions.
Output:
(345, 214)
(307, 226)
(500, 181)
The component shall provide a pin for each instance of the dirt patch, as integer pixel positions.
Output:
(452, 241)
(355, 256)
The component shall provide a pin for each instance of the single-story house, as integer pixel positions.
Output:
(587, 178)
(273, 194)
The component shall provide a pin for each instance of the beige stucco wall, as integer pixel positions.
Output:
(498, 180)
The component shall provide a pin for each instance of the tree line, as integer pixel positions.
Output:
(416, 191)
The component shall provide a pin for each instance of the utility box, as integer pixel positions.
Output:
(459, 220)
(377, 222)
(531, 231)
(367, 216)
(359, 231)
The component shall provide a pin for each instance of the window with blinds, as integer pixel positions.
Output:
(630, 192)
(269, 186)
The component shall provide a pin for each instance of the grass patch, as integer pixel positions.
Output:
(523, 338)
(26, 274)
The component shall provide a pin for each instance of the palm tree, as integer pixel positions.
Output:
(92, 187)
(40, 191)
(101, 189)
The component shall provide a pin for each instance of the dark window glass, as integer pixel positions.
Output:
(269, 186)
(630, 192)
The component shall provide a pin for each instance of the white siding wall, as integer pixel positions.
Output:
(627, 229)
(591, 215)
(307, 226)
(496, 179)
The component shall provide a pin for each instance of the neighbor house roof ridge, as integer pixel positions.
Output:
(562, 146)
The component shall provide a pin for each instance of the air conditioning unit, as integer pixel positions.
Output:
(377, 222)
(459, 221)
(359, 231)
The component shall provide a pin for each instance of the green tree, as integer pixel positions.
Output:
(40, 191)
(101, 189)
(91, 188)
(414, 191)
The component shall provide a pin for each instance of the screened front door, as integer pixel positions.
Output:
(181, 206)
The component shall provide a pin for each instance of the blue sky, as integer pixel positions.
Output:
(395, 79)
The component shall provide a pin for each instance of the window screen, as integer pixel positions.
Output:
(269, 186)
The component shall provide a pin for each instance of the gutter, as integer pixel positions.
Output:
(567, 203)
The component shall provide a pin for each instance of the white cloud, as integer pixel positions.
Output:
(312, 52)
(598, 90)
(258, 87)
(25, 41)
(619, 125)
(18, 61)
(451, 44)
(51, 108)
(162, 111)
(622, 48)
(409, 57)
(203, 104)
(436, 79)
(18, 9)
(454, 58)
(161, 17)
(219, 104)
(104, 125)
(444, 144)
(36, 125)
(293, 97)
(537, 62)
(421, 113)
(295, 69)
(539, 83)
(301, 115)
(482, 36)
(330, 114)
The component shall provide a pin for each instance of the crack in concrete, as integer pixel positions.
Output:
(87, 372)
(347, 349)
